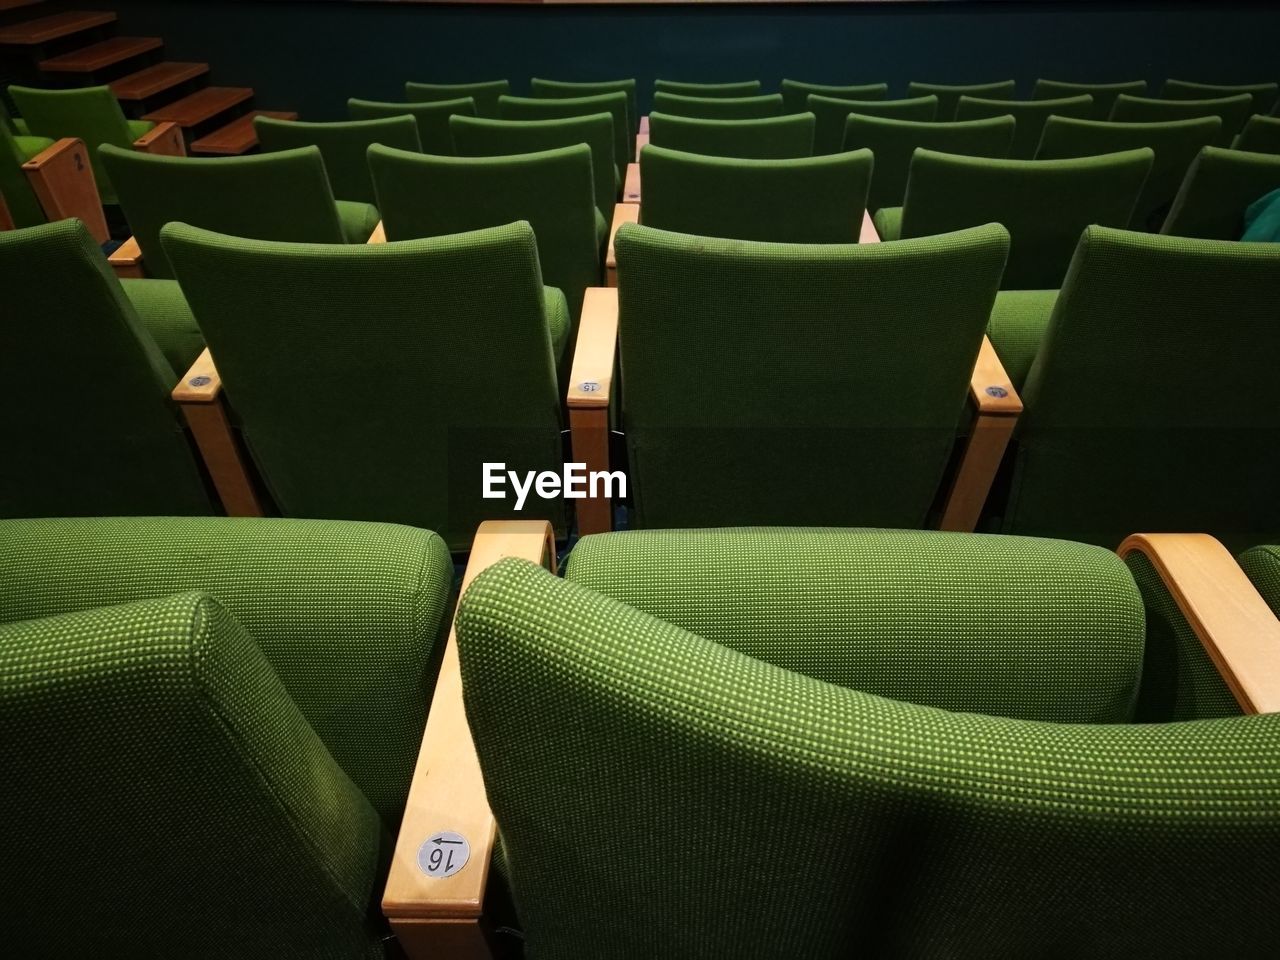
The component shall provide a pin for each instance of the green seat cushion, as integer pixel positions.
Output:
(1018, 323)
(138, 128)
(358, 220)
(888, 221)
(30, 147)
(1262, 566)
(557, 320)
(165, 315)
(602, 229)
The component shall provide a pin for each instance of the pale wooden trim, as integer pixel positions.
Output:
(1239, 632)
(998, 406)
(439, 917)
(622, 213)
(868, 233)
(162, 140)
(590, 387)
(379, 234)
(6, 218)
(126, 261)
(631, 185)
(642, 141)
(644, 125)
(62, 179)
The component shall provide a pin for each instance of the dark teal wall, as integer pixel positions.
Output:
(311, 56)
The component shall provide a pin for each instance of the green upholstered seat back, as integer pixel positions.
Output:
(1175, 144)
(1104, 94)
(795, 93)
(565, 89)
(343, 146)
(719, 108)
(893, 142)
(1264, 94)
(481, 137)
(771, 138)
(1260, 135)
(1030, 115)
(1262, 565)
(1149, 405)
(832, 114)
(817, 383)
(350, 615)
(24, 208)
(92, 114)
(1007, 626)
(485, 94)
(273, 196)
(1043, 203)
(356, 370)
(553, 190)
(89, 428)
(805, 200)
(1219, 187)
(432, 117)
(615, 104)
(949, 94)
(659, 795)
(175, 799)
(1233, 111)
(741, 88)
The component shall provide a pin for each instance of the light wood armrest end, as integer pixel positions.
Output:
(126, 260)
(990, 388)
(868, 233)
(591, 379)
(201, 384)
(622, 213)
(162, 140)
(1239, 632)
(61, 177)
(644, 124)
(642, 141)
(379, 234)
(631, 185)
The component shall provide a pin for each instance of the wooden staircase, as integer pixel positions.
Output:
(79, 48)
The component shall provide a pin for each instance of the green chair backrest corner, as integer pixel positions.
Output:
(949, 94)
(1261, 565)
(1218, 188)
(1031, 116)
(1113, 385)
(482, 137)
(731, 90)
(432, 117)
(1104, 94)
(1176, 144)
(572, 89)
(832, 113)
(343, 145)
(894, 141)
(271, 196)
(719, 108)
(1260, 135)
(397, 431)
(770, 138)
(92, 431)
(615, 104)
(24, 207)
(1045, 204)
(784, 360)
(803, 200)
(1233, 111)
(795, 93)
(485, 94)
(1265, 95)
(91, 114)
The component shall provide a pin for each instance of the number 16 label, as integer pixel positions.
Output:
(443, 854)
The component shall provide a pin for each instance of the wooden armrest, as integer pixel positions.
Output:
(590, 390)
(440, 916)
(201, 384)
(126, 260)
(631, 185)
(622, 213)
(1239, 632)
(990, 388)
(379, 234)
(62, 179)
(644, 124)
(163, 140)
(868, 233)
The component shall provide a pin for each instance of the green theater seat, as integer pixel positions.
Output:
(718, 108)
(832, 115)
(1031, 116)
(614, 104)
(1219, 187)
(772, 138)
(1264, 95)
(571, 90)
(744, 88)
(1260, 135)
(432, 118)
(485, 94)
(57, 184)
(1262, 565)
(949, 94)
(1104, 94)
(1232, 111)
(795, 93)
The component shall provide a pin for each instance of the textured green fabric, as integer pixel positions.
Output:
(167, 786)
(1043, 203)
(342, 144)
(30, 147)
(24, 207)
(1179, 681)
(1262, 566)
(825, 822)
(1264, 94)
(1175, 144)
(358, 220)
(351, 616)
(432, 118)
(481, 137)
(719, 108)
(743, 88)
(1127, 425)
(272, 196)
(771, 138)
(785, 355)
(1006, 626)
(559, 323)
(562, 89)
(163, 313)
(832, 115)
(615, 104)
(1232, 111)
(485, 94)
(888, 222)
(1260, 135)
(1219, 187)
(354, 369)
(1031, 116)
(551, 190)
(88, 426)
(1018, 322)
(1104, 94)
(894, 141)
(795, 93)
(949, 94)
(806, 200)
(90, 113)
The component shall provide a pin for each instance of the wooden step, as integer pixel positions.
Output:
(99, 55)
(193, 110)
(15, 4)
(32, 32)
(238, 136)
(156, 79)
